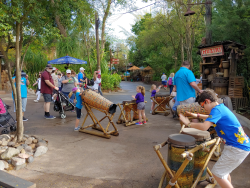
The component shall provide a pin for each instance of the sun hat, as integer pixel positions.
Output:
(74, 89)
(68, 71)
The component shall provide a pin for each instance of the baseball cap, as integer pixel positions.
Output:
(54, 68)
(49, 66)
(68, 71)
(74, 89)
(82, 68)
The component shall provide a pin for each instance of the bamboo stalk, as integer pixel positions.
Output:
(179, 171)
(166, 166)
(162, 179)
(199, 147)
(206, 163)
(183, 126)
(84, 120)
(95, 133)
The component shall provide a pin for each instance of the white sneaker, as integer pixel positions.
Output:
(150, 111)
(35, 100)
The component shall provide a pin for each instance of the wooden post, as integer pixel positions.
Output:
(208, 19)
(97, 40)
(110, 61)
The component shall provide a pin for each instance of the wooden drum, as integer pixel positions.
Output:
(94, 99)
(127, 109)
(178, 143)
(159, 98)
(200, 156)
(194, 108)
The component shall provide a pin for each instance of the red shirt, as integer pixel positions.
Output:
(44, 87)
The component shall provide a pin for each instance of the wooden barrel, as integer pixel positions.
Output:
(127, 109)
(194, 108)
(96, 100)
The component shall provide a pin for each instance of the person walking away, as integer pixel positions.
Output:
(78, 108)
(163, 80)
(97, 81)
(100, 84)
(68, 83)
(153, 91)
(81, 77)
(171, 82)
(38, 91)
(227, 126)
(140, 104)
(47, 86)
(24, 91)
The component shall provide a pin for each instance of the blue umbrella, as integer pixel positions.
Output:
(67, 60)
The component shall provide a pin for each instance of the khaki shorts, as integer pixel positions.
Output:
(188, 101)
(230, 159)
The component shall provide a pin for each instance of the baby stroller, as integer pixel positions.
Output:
(63, 104)
(6, 120)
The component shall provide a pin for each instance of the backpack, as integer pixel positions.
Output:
(170, 81)
(90, 82)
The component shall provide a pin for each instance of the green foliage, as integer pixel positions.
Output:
(110, 82)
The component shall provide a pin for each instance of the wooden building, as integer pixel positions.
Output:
(219, 70)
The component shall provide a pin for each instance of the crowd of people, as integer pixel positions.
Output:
(50, 81)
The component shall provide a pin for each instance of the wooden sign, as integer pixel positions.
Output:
(114, 61)
(212, 51)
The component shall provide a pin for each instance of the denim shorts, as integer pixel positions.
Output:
(47, 97)
(24, 104)
(141, 106)
(78, 113)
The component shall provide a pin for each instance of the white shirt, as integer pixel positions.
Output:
(163, 77)
(39, 83)
(96, 84)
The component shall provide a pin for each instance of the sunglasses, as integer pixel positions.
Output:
(202, 104)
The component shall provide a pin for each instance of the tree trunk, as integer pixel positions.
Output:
(97, 41)
(87, 47)
(57, 19)
(103, 27)
(182, 48)
(18, 87)
(6, 59)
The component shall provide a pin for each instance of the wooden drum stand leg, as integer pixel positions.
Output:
(105, 133)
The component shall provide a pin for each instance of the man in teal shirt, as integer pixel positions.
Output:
(184, 81)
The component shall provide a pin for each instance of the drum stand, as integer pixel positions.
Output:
(122, 116)
(188, 157)
(97, 125)
(160, 109)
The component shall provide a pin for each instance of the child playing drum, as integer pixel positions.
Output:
(237, 145)
(153, 91)
(140, 104)
(78, 107)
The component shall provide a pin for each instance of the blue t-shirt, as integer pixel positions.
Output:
(228, 127)
(139, 98)
(23, 87)
(153, 93)
(80, 76)
(182, 80)
(79, 100)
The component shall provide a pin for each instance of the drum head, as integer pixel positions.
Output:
(197, 134)
(181, 140)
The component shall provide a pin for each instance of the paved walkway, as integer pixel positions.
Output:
(80, 160)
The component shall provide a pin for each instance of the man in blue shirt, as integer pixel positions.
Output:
(24, 83)
(185, 85)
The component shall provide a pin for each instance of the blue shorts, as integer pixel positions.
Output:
(78, 113)
(164, 83)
